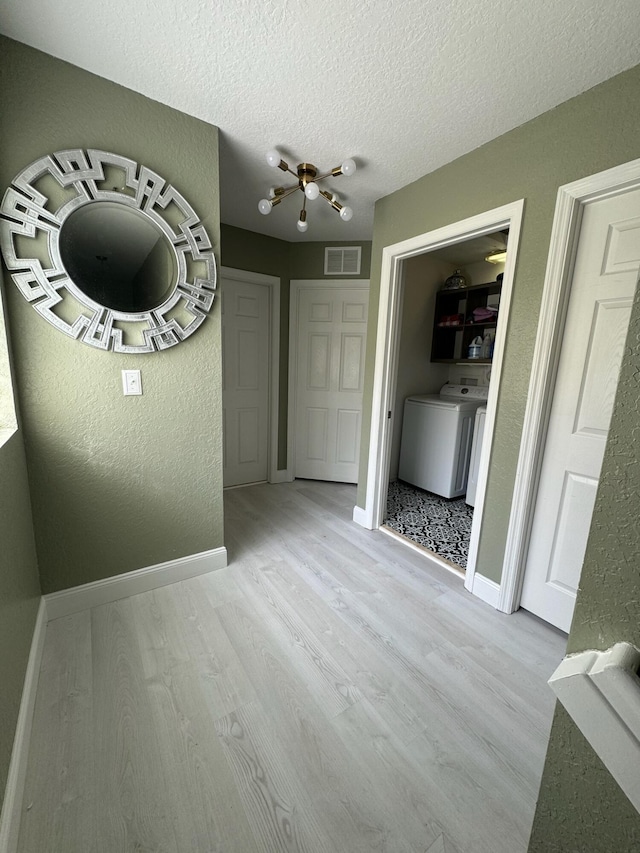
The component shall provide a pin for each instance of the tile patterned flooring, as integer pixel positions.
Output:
(442, 525)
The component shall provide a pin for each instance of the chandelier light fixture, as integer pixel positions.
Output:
(307, 178)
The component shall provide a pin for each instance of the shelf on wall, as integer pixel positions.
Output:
(496, 285)
(450, 348)
(458, 328)
(461, 360)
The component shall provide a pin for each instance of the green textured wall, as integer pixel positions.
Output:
(247, 250)
(19, 591)
(307, 259)
(595, 131)
(19, 586)
(116, 483)
(580, 807)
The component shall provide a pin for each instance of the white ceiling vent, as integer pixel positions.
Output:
(342, 260)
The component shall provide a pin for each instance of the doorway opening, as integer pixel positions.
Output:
(449, 312)
(424, 373)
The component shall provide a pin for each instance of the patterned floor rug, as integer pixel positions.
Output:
(440, 524)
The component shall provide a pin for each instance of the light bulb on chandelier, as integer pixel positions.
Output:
(302, 223)
(348, 167)
(273, 158)
(312, 191)
(308, 179)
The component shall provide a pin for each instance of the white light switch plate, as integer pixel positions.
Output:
(131, 383)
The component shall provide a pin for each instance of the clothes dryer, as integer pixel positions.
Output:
(476, 449)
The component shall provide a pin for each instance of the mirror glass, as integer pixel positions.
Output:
(118, 257)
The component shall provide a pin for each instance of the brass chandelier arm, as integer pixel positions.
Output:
(284, 166)
(286, 191)
(332, 173)
(302, 222)
(329, 198)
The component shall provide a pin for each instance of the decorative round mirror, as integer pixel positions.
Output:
(107, 251)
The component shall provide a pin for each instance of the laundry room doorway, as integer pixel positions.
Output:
(439, 391)
(422, 346)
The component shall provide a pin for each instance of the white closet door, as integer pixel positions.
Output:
(603, 284)
(330, 338)
(245, 395)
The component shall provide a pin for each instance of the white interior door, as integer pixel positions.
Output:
(603, 284)
(245, 390)
(329, 324)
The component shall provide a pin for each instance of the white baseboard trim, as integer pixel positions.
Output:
(361, 517)
(282, 476)
(78, 598)
(486, 589)
(14, 791)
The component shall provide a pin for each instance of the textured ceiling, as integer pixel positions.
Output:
(402, 88)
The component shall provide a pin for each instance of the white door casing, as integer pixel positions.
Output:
(327, 345)
(386, 365)
(572, 201)
(601, 294)
(250, 360)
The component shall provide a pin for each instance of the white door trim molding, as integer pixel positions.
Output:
(386, 359)
(273, 283)
(295, 286)
(570, 203)
(601, 692)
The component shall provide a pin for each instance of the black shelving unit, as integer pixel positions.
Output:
(451, 342)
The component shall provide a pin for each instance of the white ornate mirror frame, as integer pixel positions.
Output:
(34, 210)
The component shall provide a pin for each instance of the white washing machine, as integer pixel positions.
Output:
(474, 462)
(436, 438)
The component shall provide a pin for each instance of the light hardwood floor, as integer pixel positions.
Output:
(328, 692)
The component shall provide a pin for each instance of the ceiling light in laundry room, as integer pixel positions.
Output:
(497, 257)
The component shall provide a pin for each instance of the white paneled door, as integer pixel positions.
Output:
(329, 324)
(245, 394)
(603, 284)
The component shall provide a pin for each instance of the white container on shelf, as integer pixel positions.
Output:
(475, 348)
